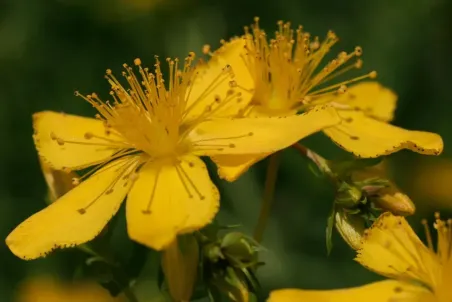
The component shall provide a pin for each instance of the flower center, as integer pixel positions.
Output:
(153, 118)
(286, 68)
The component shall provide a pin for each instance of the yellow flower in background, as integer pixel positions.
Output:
(430, 183)
(391, 248)
(46, 289)
(288, 78)
(146, 144)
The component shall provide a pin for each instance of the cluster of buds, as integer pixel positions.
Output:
(229, 264)
(362, 193)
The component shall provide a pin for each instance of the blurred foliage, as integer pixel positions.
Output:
(51, 48)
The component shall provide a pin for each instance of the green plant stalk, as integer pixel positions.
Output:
(270, 183)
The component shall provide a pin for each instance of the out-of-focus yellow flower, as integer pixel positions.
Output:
(146, 144)
(46, 289)
(431, 181)
(288, 78)
(392, 249)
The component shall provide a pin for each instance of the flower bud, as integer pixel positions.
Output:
(392, 200)
(180, 264)
(239, 246)
(348, 195)
(350, 227)
(230, 262)
(383, 193)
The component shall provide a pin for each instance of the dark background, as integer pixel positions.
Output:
(50, 48)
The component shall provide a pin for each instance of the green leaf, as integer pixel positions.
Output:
(329, 231)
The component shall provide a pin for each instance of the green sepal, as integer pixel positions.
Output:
(329, 230)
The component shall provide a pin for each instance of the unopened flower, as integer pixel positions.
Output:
(180, 267)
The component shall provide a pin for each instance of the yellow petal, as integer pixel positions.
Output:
(231, 167)
(443, 289)
(259, 135)
(169, 199)
(372, 98)
(50, 127)
(211, 82)
(350, 227)
(58, 182)
(382, 291)
(367, 137)
(391, 248)
(77, 217)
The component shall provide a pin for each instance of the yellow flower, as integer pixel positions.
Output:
(392, 249)
(430, 183)
(146, 145)
(288, 78)
(45, 289)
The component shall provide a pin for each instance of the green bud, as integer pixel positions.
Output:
(348, 195)
(180, 265)
(351, 228)
(212, 252)
(233, 285)
(238, 246)
(229, 266)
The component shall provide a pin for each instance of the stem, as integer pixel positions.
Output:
(270, 182)
(130, 295)
(317, 159)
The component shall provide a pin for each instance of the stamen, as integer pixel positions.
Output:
(217, 81)
(187, 177)
(182, 179)
(100, 164)
(371, 75)
(285, 68)
(126, 167)
(428, 234)
(154, 188)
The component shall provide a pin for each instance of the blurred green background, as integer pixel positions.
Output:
(51, 48)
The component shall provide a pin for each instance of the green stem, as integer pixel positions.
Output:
(270, 182)
(317, 159)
